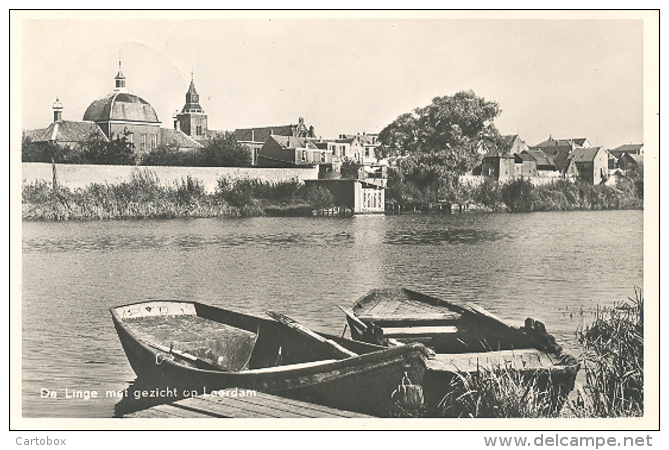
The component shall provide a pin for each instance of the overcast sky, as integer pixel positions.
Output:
(565, 78)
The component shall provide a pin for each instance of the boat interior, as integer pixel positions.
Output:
(409, 316)
(207, 337)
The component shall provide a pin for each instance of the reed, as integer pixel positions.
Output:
(139, 198)
(563, 195)
(505, 392)
(143, 196)
(613, 362)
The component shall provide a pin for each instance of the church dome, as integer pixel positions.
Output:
(121, 106)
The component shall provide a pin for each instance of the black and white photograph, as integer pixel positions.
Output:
(405, 219)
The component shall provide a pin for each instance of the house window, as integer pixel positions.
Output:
(142, 142)
(304, 155)
(153, 142)
(322, 157)
(130, 137)
(366, 152)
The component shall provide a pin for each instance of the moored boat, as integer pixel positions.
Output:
(193, 347)
(466, 338)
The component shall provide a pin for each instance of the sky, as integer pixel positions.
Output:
(575, 77)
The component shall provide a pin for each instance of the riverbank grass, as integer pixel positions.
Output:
(613, 362)
(144, 197)
(614, 377)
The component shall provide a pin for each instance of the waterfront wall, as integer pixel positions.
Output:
(476, 180)
(76, 176)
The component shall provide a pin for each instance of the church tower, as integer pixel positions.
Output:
(192, 120)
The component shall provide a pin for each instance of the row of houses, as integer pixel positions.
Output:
(123, 114)
(573, 158)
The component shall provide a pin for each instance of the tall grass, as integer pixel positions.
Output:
(522, 196)
(613, 362)
(141, 197)
(614, 377)
(501, 393)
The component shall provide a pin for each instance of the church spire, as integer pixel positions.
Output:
(192, 120)
(192, 97)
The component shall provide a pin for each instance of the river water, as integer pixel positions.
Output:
(555, 267)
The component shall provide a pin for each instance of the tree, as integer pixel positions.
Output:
(453, 126)
(117, 151)
(224, 151)
(47, 152)
(349, 169)
(436, 144)
(171, 155)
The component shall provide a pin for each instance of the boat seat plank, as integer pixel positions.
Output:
(522, 359)
(375, 308)
(446, 316)
(387, 308)
(261, 405)
(417, 331)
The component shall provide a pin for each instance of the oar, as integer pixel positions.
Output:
(351, 315)
(290, 323)
(202, 363)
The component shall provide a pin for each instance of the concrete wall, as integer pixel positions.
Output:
(76, 176)
(475, 180)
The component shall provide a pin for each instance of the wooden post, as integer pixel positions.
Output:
(55, 175)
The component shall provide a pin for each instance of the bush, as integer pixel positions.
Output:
(235, 193)
(518, 195)
(170, 155)
(47, 152)
(488, 194)
(116, 152)
(224, 151)
(319, 197)
(190, 190)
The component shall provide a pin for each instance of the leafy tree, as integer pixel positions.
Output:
(454, 126)
(47, 152)
(171, 155)
(117, 151)
(349, 169)
(224, 151)
(435, 144)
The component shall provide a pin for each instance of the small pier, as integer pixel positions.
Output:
(260, 405)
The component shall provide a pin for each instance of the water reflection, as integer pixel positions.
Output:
(185, 242)
(446, 236)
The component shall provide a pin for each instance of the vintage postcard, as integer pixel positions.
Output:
(266, 220)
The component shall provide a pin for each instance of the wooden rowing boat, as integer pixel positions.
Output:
(467, 339)
(193, 348)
